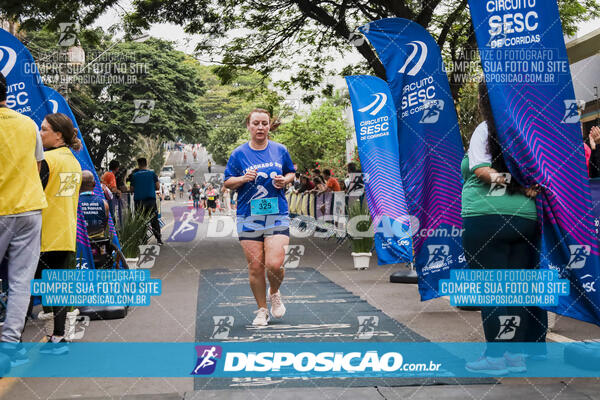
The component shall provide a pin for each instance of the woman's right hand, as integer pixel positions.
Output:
(250, 175)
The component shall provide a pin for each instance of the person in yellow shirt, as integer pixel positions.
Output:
(60, 173)
(20, 216)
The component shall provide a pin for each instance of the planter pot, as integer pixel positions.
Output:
(361, 260)
(132, 262)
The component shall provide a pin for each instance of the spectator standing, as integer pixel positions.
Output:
(109, 179)
(61, 178)
(145, 184)
(20, 216)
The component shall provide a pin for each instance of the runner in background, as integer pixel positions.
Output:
(259, 171)
(196, 195)
(211, 200)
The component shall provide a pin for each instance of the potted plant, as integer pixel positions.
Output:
(133, 233)
(362, 238)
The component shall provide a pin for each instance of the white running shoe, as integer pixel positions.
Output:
(277, 307)
(262, 317)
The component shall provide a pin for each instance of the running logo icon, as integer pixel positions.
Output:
(499, 189)
(148, 254)
(380, 98)
(207, 359)
(572, 108)
(367, 326)
(437, 256)
(143, 109)
(432, 111)
(68, 34)
(223, 326)
(69, 183)
(508, 326)
(579, 255)
(417, 46)
(9, 57)
(292, 256)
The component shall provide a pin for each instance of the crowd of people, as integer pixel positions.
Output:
(43, 186)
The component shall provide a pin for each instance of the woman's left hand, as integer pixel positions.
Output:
(279, 181)
(532, 191)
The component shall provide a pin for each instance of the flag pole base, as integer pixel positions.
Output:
(408, 275)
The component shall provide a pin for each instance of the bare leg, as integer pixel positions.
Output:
(253, 250)
(274, 256)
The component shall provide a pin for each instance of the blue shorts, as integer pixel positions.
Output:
(259, 235)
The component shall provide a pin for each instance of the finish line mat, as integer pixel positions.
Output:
(318, 310)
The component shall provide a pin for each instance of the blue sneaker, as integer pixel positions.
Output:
(15, 352)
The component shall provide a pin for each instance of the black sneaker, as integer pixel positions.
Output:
(55, 349)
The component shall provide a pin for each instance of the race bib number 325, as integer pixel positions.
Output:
(264, 206)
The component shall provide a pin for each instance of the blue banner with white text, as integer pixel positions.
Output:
(526, 69)
(354, 360)
(376, 135)
(430, 147)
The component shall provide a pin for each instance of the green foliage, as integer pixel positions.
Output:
(318, 137)
(311, 33)
(225, 106)
(468, 112)
(104, 106)
(361, 242)
(132, 232)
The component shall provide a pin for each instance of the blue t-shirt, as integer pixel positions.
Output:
(272, 161)
(92, 208)
(144, 185)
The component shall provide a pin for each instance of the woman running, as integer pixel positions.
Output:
(211, 200)
(259, 170)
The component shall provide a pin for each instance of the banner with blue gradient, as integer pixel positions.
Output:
(24, 85)
(376, 135)
(430, 148)
(526, 68)
(293, 359)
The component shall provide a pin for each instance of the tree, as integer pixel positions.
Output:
(225, 107)
(272, 35)
(308, 33)
(128, 89)
(319, 137)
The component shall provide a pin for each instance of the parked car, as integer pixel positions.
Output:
(168, 170)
